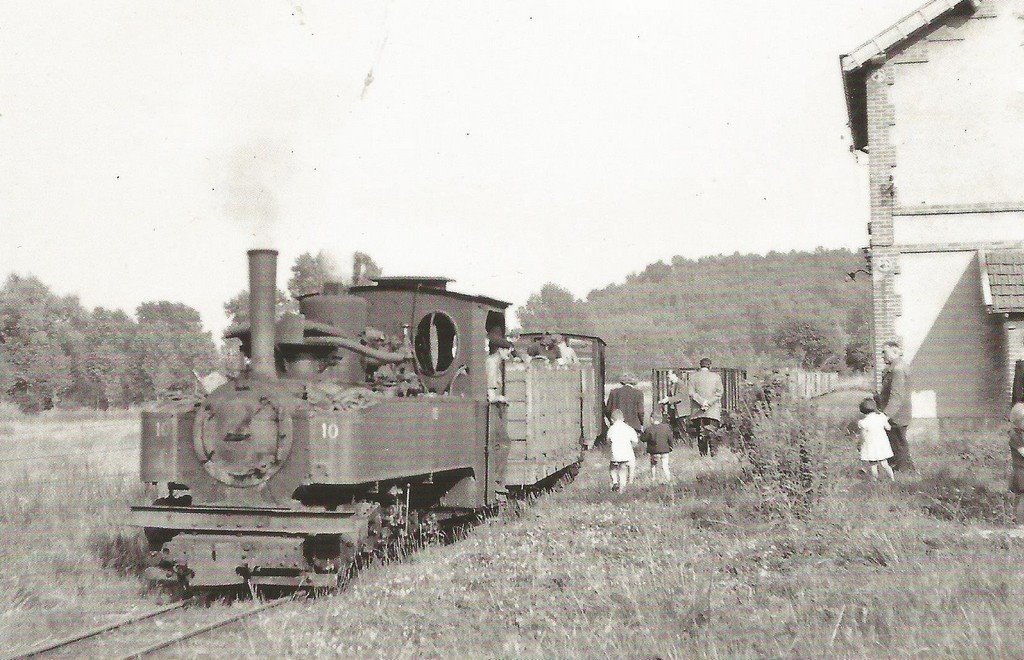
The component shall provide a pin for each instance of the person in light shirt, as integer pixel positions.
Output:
(566, 353)
(706, 391)
(875, 450)
(621, 438)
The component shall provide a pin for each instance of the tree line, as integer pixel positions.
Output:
(796, 309)
(55, 352)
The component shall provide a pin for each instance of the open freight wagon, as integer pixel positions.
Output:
(541, 416)
(732, 381)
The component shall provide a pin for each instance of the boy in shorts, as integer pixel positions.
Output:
(621, 439)
(658, 438)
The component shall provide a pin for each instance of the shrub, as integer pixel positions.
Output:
(783, 444)
(123, 551)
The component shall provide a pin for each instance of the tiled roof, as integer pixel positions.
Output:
(1002, 274)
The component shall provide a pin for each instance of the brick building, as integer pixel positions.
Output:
(937, 102)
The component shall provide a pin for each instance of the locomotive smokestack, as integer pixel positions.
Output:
(262, 299)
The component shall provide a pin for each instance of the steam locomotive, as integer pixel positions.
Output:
(360, 421)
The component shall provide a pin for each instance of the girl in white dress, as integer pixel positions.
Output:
(874, 443)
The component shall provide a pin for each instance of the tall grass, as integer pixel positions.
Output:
(67, 557)
(700, 568)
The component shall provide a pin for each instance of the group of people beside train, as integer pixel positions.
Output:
(625, 409)
(697, 411)
(548, 347)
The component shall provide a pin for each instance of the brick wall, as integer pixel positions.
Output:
(881, 117)
(924, 125)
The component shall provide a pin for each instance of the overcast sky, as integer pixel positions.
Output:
(145, 145)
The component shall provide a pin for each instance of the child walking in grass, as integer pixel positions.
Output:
(621, 438)
(875, 450)
(1017, 458)
(658, 438)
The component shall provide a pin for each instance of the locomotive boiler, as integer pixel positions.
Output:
(361, 420)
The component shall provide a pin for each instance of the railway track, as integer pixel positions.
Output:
(149, 632)
(142, 634)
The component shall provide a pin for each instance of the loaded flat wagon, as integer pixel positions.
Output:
(591, 353)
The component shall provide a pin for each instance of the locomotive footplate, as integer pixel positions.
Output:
(348, 521)
(219, 546)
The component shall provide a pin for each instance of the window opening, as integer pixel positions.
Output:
(437, 343)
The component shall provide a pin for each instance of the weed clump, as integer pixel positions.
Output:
(947, 496)
(783, 444)
(122, 551)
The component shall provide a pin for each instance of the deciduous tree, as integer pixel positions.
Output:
(309, 273)
(41, 333)
(105, 358)
(168, 344)
(813, 344)
(237, 309)
(554, 308)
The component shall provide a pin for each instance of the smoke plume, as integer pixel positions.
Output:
(253, 171)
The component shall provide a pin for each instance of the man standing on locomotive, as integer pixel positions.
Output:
(496, 343)
(706, 392)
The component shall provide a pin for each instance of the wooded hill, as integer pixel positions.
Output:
(749, 310)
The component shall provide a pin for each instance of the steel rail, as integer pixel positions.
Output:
(99, 630)
(202, 630)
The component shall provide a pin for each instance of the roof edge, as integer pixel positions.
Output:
(902, 30)
(986, 286)
(853, 64)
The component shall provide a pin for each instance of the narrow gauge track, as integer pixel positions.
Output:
(142, 634)
(152, 631)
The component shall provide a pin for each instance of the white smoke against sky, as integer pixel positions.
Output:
(254, 171)
(338, 263)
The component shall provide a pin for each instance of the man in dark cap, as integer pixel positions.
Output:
(496, 343)
(629, 400)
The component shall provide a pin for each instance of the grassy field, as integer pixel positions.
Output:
(695, 569)
(928, 566)
(67, 560)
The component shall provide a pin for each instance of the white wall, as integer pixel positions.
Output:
(959, 134)
(958, 228)
(953, 346)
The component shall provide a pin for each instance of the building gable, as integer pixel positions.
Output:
(856, 65)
